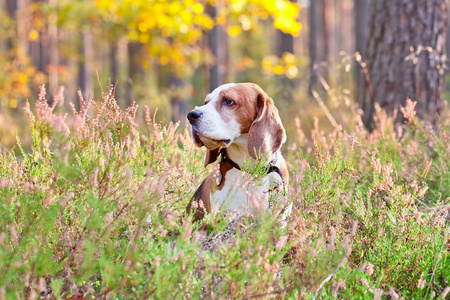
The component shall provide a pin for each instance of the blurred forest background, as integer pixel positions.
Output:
(306, 54)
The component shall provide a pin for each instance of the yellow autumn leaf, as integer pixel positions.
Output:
(163, 60)
(234, 30)
(289, 58)
(295, 28)
(12, 103)
(221, 20)
(186, 16)
(33, 35)
(237, 5)
(144, 38)
(278, 69)
(204, 21)
(132, 35)
(23, 78)
(174, 8)
(266, 63)
(292, 72)
(151, 22)
(143, 26)
(198, 8)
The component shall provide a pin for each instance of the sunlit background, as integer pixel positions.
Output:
(169, 54)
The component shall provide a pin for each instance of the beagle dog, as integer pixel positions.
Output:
(238, 122)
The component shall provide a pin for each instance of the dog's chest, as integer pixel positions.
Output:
(243, 194)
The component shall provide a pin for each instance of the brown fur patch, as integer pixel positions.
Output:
(244, 111)
(267, 132)
(224, 168)
(203, 193)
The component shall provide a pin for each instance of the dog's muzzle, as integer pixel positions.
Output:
(193, 116)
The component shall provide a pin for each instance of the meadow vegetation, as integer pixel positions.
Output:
(96, 208)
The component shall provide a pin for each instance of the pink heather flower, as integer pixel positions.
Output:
(366, 284)
(415, 185)
(387, 170)
(376, 164)
(409, 110)
(421, 282)
(377, 294)
(445, 292)
(369, 269)
(61, 126)
(59, 97)
(422, 191)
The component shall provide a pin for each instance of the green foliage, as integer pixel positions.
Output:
(97, 208)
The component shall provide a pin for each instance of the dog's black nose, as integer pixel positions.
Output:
(193, 116)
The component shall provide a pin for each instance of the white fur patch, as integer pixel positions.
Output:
(242, 195)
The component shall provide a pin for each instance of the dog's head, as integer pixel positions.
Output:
(232, 110)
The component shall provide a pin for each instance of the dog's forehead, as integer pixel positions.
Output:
(214, 95)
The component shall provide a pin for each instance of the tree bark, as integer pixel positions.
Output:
(179, 100)
(86, 70)
(113, 62)
(318, 41)
(53, 72)
(23, 15)
(217, 42)
(285, 43)
(406, 57)
(135, 70)
(361, 9)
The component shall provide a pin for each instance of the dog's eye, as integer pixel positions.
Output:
(228, 101)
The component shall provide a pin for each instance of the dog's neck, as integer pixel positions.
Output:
(238, 151)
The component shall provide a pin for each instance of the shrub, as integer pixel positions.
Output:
(96, 208)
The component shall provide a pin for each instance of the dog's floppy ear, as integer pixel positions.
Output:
(211, 156)
(267, 133)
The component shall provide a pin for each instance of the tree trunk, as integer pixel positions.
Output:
(285, 43)
(113, 62)
(54, 52)
(217, 42)
(23, 15)
(114, 67)
(135, 70)
(406, 57)
(318, 41)
(179, 100)
(86, 71)
(361, 10)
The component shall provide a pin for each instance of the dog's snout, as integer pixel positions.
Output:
(194, 115)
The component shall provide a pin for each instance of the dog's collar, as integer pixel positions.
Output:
(225, 159)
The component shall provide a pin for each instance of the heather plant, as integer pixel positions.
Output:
(96, 208)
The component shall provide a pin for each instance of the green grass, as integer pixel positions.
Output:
(97, 208)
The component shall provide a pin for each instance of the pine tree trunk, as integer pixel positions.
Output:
(86, 69)
(361, 9)
(406, 57)
(217, 42)
(113, 64)
(53, 72)
(23, 14)
(318, 41)
(285, 44)
(135, 70)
